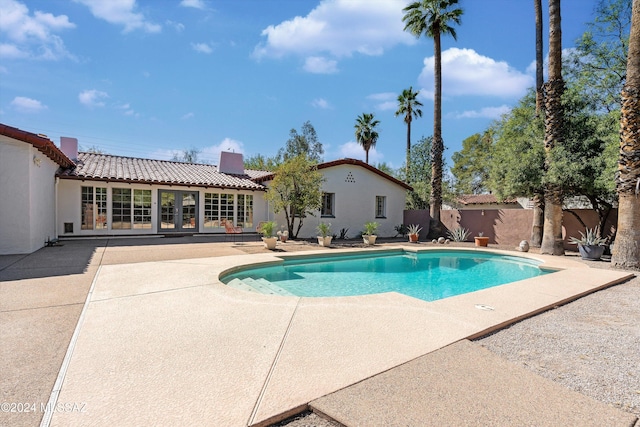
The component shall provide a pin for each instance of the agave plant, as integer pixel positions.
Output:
(592, 238)
(459, 234)
(414, 229)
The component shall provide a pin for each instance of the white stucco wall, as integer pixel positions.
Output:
(27, 197)
(69, 207)
(355, 190)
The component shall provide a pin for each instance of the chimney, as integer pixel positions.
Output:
(69, 146)
(231, 163)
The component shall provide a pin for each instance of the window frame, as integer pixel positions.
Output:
(328, 210)
(381, 206)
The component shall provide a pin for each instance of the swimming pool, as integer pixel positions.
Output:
(427, 275)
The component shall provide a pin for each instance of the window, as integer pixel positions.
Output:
(245, 211)
(226, 207)
(121, 209)
(142, 209)
(87, 208)
(381, 207)
(327, 204)
(211, 210)
(94, 208)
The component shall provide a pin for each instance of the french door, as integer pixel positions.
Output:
(178, 211)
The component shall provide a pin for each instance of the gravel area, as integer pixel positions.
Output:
(591, 345)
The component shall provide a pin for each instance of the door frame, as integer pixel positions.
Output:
(178, 211)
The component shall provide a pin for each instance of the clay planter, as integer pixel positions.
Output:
(413, 238)
(482, 241)
(270, 242)
(324, 241)
(369, 239)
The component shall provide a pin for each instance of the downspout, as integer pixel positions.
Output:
(55, 216)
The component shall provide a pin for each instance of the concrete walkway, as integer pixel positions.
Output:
(163, 342)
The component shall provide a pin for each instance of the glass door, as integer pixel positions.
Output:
(178, 210)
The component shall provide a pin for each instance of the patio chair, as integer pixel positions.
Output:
(232, 231)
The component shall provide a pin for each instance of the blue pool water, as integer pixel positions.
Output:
(427, 275)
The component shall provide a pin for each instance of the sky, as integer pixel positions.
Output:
(147, 78)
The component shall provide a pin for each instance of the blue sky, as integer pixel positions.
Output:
(142, 78)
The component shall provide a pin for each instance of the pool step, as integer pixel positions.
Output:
(261, 286)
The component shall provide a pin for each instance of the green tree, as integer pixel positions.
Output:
(409, 109)
(420, 174)
(261, 163)
(384, 167)
(471, 165)
(599, 61)
(306, 142)
(366, 134)
(433, 18)
(296, 190)
(188, 155)
(626, 251)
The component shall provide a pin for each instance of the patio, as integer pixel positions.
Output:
(160, 340)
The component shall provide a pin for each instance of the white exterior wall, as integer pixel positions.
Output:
(27, 197)
(355, 190)
(69, 207)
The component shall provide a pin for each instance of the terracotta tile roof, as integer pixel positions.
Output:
(269, 175)
(41, 142)
(103, 167)
(483, 199)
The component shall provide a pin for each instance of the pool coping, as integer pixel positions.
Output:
(361, 336)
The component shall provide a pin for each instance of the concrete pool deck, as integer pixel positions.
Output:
(163, 342)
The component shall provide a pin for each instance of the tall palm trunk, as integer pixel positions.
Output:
(438, 146)
(552, 242)
(408, 149)
(538, 198)
(626, 249)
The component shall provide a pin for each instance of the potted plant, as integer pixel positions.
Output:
(481, 240)
(268, 236)
(369, 235)
(413, 230)
(590, 245)
(324, 239)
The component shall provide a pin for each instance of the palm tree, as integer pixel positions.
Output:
(433, 18)
(538, 197)
(366, 133)
(552, 242)
(408, 106)
(626, 250)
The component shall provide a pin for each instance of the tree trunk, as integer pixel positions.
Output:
(626, 249)
(438, 146)
(537, 4)
(408, 148)
(552, 242)
(538, 220)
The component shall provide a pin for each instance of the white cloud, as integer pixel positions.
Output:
(320, 65)
(384, 101)
(197, 4)
(187, 116)
(212, 153)
(120, 12)
(27, 105)
(178, 26)
(465, 72)
(484, 113)
(32, 35)
(338, 28)
(92, 98)
(320, 103)
(353, 150)
(202, 48)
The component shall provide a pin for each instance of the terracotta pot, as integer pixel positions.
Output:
(324, 241)
(369, 239)
(413, 238)
(482, 241)
(270, 242)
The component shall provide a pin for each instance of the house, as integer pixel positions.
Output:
(60, 192)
